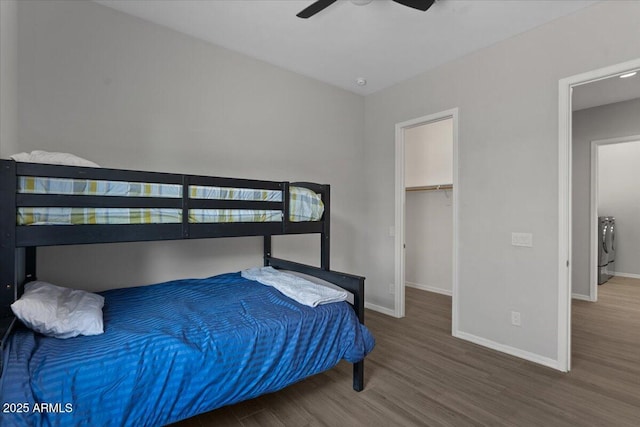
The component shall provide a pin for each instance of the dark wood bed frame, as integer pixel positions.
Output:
(19, 242)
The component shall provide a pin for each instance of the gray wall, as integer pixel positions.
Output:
(608, 121)
(126, 93)
(8, 74)
(429, 240)
(507, 97)
(619, 196)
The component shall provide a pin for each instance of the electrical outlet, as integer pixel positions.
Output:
(392, 288)
(515, 318)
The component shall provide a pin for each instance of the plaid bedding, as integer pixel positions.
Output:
(77, 216)
(233, 215)
(226, 193)
(87, 187)
(305, 205)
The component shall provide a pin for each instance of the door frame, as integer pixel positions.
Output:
(565, 88)
(595, 167)
(400, 205)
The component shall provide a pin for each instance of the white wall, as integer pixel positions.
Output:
(126, 93)
(429, 240)
(429, 154)
(608, 121)
(619, 196)
(8, 74)
(507, 97)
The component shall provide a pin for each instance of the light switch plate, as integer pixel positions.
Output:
(522, 239)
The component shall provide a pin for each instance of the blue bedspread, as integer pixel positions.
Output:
(174, 350)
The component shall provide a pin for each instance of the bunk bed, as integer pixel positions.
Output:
(48, 205)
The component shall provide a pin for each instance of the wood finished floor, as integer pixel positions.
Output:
(419, 375)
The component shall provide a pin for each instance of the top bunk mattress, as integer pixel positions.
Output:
(305, 205)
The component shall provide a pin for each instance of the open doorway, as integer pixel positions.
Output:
(433, 188)
(429, 208)
(605, 315)
(615, 179)
(568, 261)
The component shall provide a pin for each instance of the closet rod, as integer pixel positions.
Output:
(431, 187)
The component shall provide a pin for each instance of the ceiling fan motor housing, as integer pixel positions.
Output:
(319, 5)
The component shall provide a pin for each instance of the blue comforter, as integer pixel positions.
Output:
(174, 350)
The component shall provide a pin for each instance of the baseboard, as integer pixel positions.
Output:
(429, 288)
(531, 357)
(380, 309)
(581, 297)
(630, 275)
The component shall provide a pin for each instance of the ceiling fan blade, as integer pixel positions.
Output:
(422, 5)
(315, 8)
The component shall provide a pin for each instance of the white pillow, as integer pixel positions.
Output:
(53, 158)
(59, 312)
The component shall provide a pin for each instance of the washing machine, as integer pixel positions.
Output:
(606, 248)
(611, 245)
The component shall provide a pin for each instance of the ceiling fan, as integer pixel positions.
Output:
(319, 5)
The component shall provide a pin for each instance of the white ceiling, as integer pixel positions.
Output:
(384, 42)
(607, 91)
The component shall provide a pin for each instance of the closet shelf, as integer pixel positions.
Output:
(431, 187)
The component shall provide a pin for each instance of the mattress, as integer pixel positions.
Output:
(305, 205)
(224, 339)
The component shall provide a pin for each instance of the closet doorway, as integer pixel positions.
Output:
(426, 217)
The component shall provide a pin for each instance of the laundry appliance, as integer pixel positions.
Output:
(606, 248)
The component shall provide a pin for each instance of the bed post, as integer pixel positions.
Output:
(358, 305)
(30, 264)
(8, 237)
(7, 251)
(267, 250)
(358, 376)
(185, 207)
(326, 230)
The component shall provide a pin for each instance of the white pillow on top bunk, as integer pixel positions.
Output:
(53, 158)
(59, 312)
